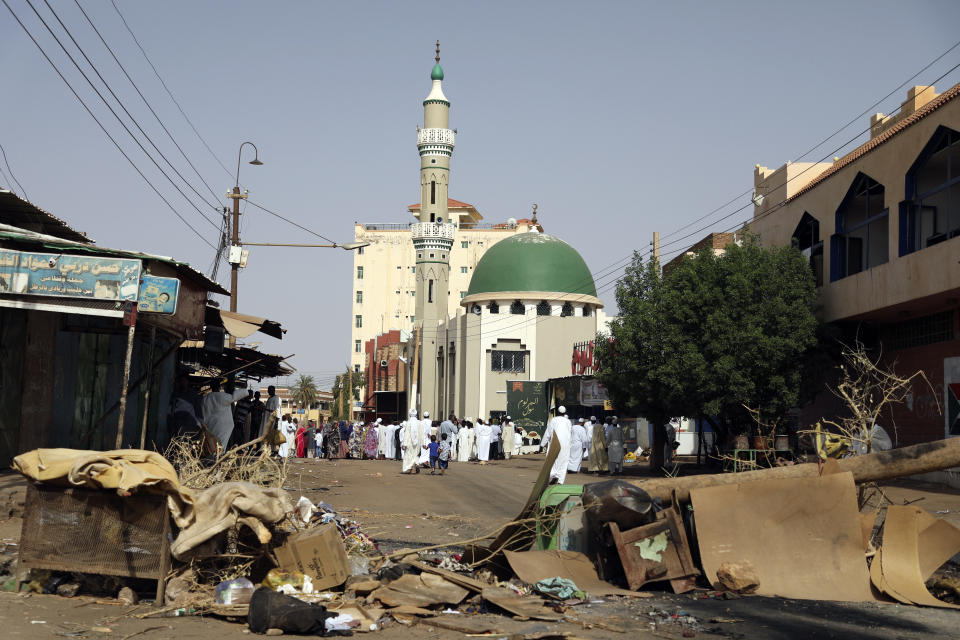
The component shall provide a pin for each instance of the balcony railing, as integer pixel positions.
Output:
(440, 230)
(435, 136)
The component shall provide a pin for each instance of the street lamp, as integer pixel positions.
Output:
(235, 256)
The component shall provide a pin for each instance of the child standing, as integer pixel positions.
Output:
(443, 454)
(434, 454)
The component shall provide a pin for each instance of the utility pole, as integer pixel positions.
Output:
(235, 256)
(656, 247)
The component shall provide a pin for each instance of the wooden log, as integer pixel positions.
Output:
(872, 467)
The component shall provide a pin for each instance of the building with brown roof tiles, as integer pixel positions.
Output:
(881, 228)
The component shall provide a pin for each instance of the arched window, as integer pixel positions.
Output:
(862, 238)
(587, 311)
(806, 238)
(517, 308)
(543, 309)
(931, 213)
(567, 310)
(493, 307)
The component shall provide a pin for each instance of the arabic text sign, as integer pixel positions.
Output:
(527, 404)
(52, 274)
(158, 295)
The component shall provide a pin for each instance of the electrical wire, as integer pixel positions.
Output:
(7, 162)
(102, 128)
(146, 102)
(167, 89)
(287, 220)
(125, 110)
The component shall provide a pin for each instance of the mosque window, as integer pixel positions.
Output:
(360, 296)
(464, 244)
(358, 322)
(493, 307)
(543, 309)
(517, 308)
(356, 346)
(430, 291)
(567, 310)
(508, 361)
(359, 273)
(433, 193)
(587, 311)
(463, 294)
(359, 251)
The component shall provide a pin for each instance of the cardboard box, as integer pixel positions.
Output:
(317, 553)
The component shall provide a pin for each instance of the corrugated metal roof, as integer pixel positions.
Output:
(20, 213)
(27, 237)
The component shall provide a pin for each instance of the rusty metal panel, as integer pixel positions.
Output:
(98, 532)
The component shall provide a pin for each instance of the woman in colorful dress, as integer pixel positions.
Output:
(371, 441)
(331, 440)
(355, 442)
(345, 430)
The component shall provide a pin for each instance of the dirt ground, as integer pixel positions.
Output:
(470, 501)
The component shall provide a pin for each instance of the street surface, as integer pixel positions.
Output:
(471, 500)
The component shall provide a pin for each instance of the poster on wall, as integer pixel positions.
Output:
(527, 404)
(951, 393)
(68, 276)
(158, 295)
(592, 393)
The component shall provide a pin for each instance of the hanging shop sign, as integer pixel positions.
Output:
(158, 295)
(67, 276)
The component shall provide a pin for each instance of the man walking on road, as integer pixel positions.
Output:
(559, 428)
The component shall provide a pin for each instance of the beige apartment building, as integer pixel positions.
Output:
(881, 229)
(384, 277)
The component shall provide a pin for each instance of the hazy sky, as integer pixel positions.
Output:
(617, 118)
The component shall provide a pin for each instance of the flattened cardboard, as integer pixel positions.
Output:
(317, 553)
(903, 566)
(534, 566)
(422, 590)
(523, 606)
(802, 534)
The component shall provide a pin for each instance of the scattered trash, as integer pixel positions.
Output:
(271, 610)
(560, 588)
(236, 591)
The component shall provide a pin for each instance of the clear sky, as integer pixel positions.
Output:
(617, 118)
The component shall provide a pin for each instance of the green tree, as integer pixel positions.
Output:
(342, 399)
(304, 391)
(715, 333)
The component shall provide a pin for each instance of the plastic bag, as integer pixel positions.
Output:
(617, 501)
(236, 591)
(275, 578)
(272, 610)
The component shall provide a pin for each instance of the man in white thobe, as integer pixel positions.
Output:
(484, 433)
(578, 442)
(464, 443)
(559, 428)
(426, 425)
(411, 442)
(217, 412)
(588, 427)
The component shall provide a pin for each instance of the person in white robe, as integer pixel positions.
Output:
(383, 430)
(217, 411)
(289, 431)
(578, 442)
(426, 425)
(508, 435)
(464, 443)
(484, 433)
(559, 429)
(588, 426)
(411, 442)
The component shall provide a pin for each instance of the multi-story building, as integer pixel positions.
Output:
(881, 228)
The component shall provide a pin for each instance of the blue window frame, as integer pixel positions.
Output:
(806, 238)
(862, 238)
(931, 213)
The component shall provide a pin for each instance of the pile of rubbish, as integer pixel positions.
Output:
(248, 553)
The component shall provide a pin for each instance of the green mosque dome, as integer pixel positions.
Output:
(532, 262)
(437, 73)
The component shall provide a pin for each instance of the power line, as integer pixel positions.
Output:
(107, 133)
(125, 110)
(299, 226)
(167, 89)
(145, 102)
(7, 162)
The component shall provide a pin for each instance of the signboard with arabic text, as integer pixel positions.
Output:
(68, 276)
(158, 295)
(527, 404)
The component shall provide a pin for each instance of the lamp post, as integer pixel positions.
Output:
(234, 256)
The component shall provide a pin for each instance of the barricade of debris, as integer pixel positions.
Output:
(225, 539)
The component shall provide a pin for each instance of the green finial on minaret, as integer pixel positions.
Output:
(437, 73)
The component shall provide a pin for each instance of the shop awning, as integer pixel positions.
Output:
(241, 325)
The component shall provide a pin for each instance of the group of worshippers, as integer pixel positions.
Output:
(600, 445)
(225, 416)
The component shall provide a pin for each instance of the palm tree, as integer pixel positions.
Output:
(342, 408)
(304, 392)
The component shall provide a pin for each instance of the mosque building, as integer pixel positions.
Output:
(531, 297)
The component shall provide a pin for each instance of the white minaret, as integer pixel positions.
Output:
(432, 237)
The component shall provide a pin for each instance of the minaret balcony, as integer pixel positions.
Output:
(442, 231)
(432, 136)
